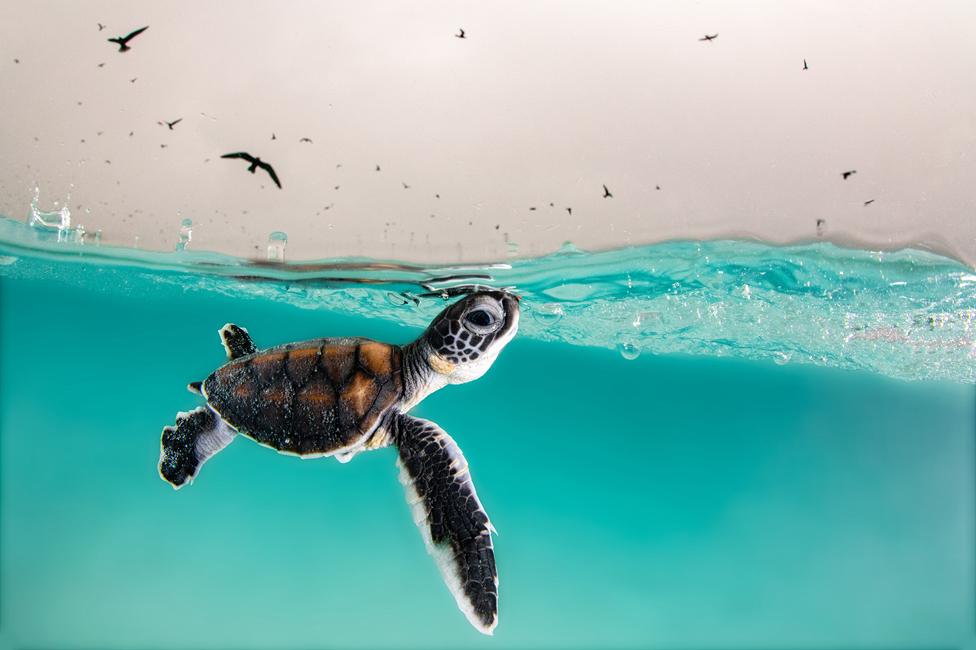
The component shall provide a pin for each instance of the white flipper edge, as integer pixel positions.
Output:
(443, 554)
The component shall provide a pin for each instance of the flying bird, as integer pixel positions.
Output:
(405, 186)
(869, 202)
(123, 41)
(274, 137)
(461, 35)
(847, 174)
(308, 140)
(570, 211)
(708, 38)
(377, 168)
(100, 26)
(170, 124)
(805, 67)
(606, 193)
(255, 163)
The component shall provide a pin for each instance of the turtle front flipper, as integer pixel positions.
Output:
(451, 519)
(183, 449)
(236, 341)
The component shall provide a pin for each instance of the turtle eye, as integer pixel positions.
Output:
(482, 320)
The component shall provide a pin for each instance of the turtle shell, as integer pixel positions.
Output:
(311, 398)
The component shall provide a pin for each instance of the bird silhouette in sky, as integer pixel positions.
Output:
(123, 41)
(606, 193)
(707, 38)
(869, 202)
(255, 163)
(100, 26)
(805, 67)
(461, 34)
(170, 124)
(308, 140)
(848, 174)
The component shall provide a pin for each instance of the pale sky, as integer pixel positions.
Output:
(541, 102)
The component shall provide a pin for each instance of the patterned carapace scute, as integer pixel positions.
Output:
(308, 398)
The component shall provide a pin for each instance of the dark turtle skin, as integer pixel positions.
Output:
(311, 398)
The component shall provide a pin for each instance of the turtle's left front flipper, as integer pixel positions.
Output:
(452, 521)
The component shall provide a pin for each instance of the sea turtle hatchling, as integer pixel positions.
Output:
(340, 396)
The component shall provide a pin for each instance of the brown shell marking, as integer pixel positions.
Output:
(309, 398)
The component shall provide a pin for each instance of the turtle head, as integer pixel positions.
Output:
(465, 339)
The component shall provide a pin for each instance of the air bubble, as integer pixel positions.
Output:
(277, 242)
(628, 350)
(186, 234)
(548, 313)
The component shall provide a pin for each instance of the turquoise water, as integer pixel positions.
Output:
(790, 465)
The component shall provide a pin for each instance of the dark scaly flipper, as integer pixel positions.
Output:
(236, 341)
(197, 436)
(451, 519)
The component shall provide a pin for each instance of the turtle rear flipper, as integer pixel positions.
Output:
(197, 436)
(236, 341)
(451, 519)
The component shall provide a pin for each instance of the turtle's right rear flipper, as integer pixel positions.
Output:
(197, 436)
